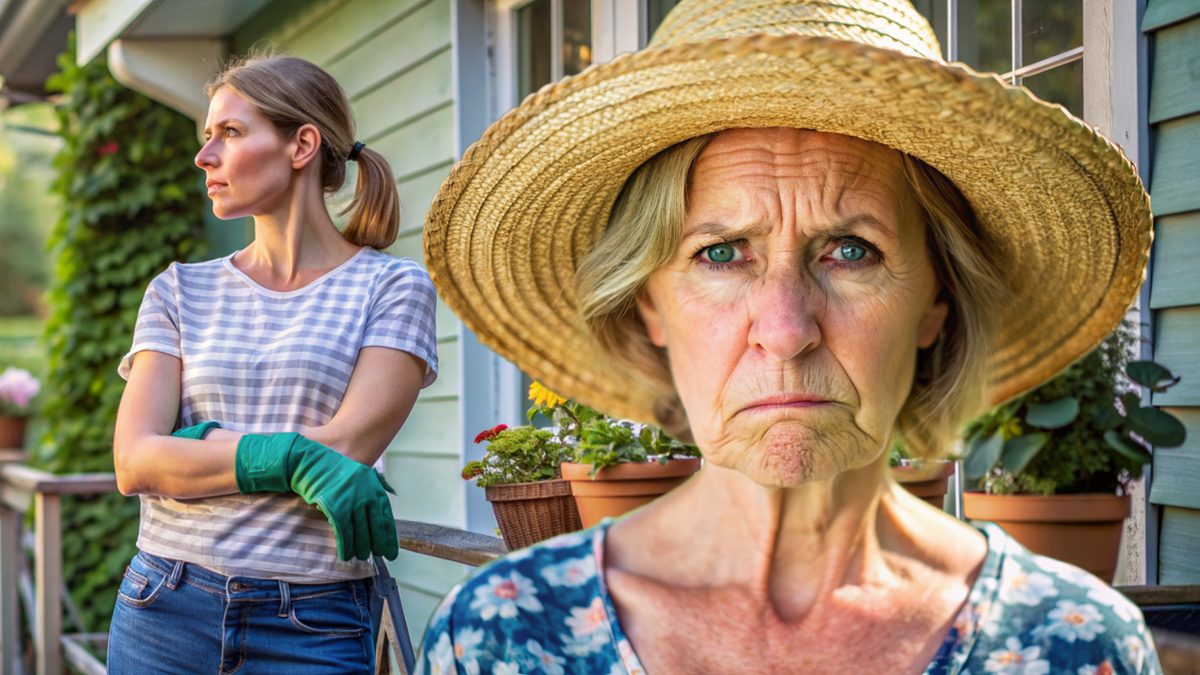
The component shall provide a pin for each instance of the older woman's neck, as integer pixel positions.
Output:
(794, 546)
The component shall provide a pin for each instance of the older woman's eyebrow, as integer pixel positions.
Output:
(717, 229)
(842, 228)
(846, 227)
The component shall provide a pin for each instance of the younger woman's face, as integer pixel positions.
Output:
(249, 167)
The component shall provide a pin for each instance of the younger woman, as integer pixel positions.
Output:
(288, 367)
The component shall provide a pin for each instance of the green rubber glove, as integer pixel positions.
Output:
(352, 496)
(197, 432)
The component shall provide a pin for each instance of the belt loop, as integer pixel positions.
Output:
(176, 573)
(285, 599)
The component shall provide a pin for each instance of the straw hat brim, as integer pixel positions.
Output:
(1057, 203)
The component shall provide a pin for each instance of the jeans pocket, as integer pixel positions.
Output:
(337, 613)
(140, 589)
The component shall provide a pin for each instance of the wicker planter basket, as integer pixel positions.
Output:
(531, 512)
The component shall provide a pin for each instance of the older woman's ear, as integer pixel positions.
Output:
(932, 322)
(652, 317)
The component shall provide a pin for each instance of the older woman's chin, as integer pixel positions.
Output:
(790, 454)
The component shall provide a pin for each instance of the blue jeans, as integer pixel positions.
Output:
(173, 617)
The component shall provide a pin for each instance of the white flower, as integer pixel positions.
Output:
(1016, 660)
(1071, 622)
(1064, 571)
(502, 596)
(572, 573)
(549, 663)
(18, 386)
(568, 540)
(1105, 668)
(441, 661)
(1027, 588)
(616, 670)
(502, 668)
(466, 648)
(447, 604)
(1133, 652)
(587, 626)
(1120, 605)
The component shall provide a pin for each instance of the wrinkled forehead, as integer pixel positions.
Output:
(822, 168)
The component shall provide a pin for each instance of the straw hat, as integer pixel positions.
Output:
(1057, 202)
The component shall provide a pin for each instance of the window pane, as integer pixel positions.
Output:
(934, 12)
(534, 69)
(656, 11)
(577, 36)
(1063, 85)
(985, 34)
(1050, 27)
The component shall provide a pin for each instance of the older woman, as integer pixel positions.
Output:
(747, 240)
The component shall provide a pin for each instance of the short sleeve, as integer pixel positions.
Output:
(157, 327)
(402, 315)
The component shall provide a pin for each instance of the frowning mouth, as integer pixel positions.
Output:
(785, 401)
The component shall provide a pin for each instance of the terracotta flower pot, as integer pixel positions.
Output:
(12, 431)
(617, 490)
(1084, 530)
(531, 512)
(930, 483)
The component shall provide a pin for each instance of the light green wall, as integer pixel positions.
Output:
(1173, 26)
(393, 58)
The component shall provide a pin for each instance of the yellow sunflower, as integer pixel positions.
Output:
(542, 396)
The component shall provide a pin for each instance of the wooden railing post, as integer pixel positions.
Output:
(48, 582)
(10, 571)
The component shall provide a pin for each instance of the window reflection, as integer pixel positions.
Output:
(1050, 27)
(534, 35)
(1063, 85)
(577, 36)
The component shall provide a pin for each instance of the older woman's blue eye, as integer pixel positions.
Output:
(721, 253)
(850, 252)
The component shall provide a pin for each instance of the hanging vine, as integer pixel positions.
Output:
(132, 204)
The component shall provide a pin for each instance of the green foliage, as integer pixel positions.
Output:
(1068, 436)
(27, 208)
(519, 455)
(132, 204)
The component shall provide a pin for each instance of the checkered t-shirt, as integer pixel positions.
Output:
(262, 361)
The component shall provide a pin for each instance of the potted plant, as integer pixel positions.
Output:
(17, 389)
(616, 466)
(927, 479)
(1053, 465)
(521, 479)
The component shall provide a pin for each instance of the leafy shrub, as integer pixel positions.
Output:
(1068, 435)
(132, 204)
(518, 455)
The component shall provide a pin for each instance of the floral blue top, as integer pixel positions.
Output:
(546, 609)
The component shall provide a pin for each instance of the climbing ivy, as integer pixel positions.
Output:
(132, 204)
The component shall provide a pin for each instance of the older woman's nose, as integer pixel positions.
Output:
(785, 313)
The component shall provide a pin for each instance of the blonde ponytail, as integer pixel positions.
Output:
(291, 92)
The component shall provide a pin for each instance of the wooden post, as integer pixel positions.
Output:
(10, 612)
(48, 581)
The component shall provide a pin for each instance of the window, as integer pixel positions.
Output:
(1045, 55)
(553, 40)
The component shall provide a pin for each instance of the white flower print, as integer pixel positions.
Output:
(571, 573)
(1133, 652)
(502, 596)
(1104, 668)
(1120, 605)
(1016, 660)
(587, 626)
(629, 658)
(441, 661)
(447, 604)
(502, 668)
(1023, 587)
(1062, 570)
(549, 663)
(466, 648)
(616, 670)
(568, 540)
(1071, 622)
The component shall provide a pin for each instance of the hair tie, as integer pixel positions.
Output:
(353, 156)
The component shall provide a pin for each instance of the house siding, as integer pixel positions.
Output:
(1173, 27)
(393, 57)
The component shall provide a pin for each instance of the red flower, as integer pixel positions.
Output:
(107, 149)
(490, 433)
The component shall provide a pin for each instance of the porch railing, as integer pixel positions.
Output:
(22, 487)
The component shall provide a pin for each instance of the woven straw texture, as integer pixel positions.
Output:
(531, 512)
(1057, 203)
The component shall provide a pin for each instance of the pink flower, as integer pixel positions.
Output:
(17, 386)
(107, 149)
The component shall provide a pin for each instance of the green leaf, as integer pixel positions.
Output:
(1053, 415)
(1127, 447)
(1150, 374)
(1159, 428)
(1019, 451)
(982, 454)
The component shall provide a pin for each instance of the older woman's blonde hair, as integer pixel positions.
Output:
(644, 231)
